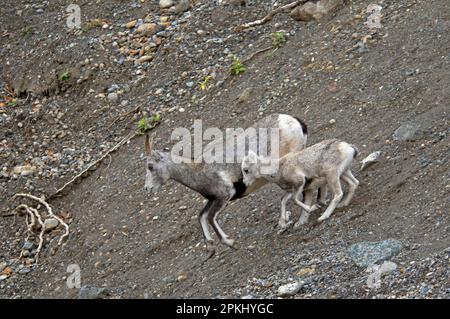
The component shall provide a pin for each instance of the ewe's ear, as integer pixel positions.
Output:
(148, 144)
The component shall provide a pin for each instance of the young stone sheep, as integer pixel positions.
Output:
(323, 163)
(220, 183)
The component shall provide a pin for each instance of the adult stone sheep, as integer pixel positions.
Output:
(222, 182)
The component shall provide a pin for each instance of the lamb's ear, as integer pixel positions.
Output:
(148, 144)
(252, 157)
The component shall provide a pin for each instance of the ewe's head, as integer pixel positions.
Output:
(251, 165)
(157, 172)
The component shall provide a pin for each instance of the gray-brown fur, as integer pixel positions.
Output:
(324, 163)
(219, 183)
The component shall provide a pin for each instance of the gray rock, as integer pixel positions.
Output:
(92, 293)
(181, 7)
(314, 10)
(366, 254)
(2, 266)
(113, 97)
(3, 277)
(407, 132)
(164, 4)
(24, 270)
(27, 246)
(50, 224)
(369, 160)
(290, 289)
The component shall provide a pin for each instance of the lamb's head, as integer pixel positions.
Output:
(251, 168)
(157, 171)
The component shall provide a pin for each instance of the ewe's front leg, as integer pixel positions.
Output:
(210, 247)
(217, 206)
(284, 222)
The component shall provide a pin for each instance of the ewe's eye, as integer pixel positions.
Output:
(150, 167)
(246, 171)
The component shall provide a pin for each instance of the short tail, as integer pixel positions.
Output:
(303, 125)
(355, 151)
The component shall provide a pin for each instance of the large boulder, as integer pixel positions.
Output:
(315, 10)
(366, 254)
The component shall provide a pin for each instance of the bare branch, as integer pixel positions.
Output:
(123, 141)
(50, 212)
(270, 15)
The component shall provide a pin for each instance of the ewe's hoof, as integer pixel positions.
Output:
(229, 242)
(298, 225)
(340, 205)
(284, 226)
(211, 249)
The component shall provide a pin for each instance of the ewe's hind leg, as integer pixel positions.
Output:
(308, 199)
(284, 223)
(352, 183)
(336, 190)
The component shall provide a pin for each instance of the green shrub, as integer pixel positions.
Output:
(145, 124)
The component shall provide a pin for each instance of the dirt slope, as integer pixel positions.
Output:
(141, 246)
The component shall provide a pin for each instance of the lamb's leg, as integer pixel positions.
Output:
(308, 199)
(216, 207)
(322, 194)
(206, 234)
(336, 190)
(352, 185)
(284, 223)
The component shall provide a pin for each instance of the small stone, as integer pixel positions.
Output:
(370, 159)
(182, 6)
(147, 29)
(290, 289)
(182, 277)
(314, 10)
(24, 270)
(305, 272)
(24, 170)
(92, 293)
(113, 97)
(50, 224)
(332, 121)
(181, 110)
(164, 4)
(28, 245)
(143, 59)
(131, 24)
(3, 277)
(245, 95)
